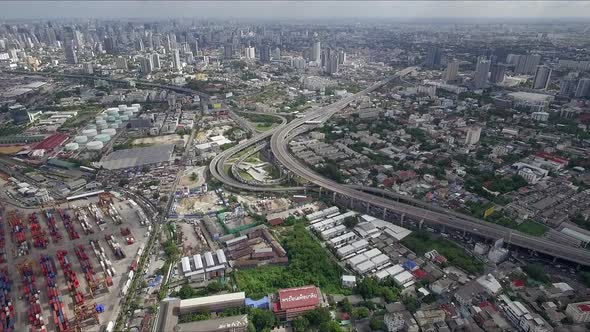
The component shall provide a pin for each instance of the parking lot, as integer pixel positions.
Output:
(63, 264)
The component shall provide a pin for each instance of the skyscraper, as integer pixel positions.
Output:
(542, 76)
(316, 51)
(176, 64)
(189, 57)
(228, 51)
(433, 57)
(332, 64)
(451, 72)
(70, 51)
(498, 73)
(265, 53)
(110, 45)
(139, 45)
(156, 61)
(481, 73)
(526, 64)
(277, 54)
(341, 57)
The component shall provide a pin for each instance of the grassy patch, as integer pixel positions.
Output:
(421, 242)
(85, 114)
(532, 228)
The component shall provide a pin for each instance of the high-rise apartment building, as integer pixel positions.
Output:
(228, 51)
(567, 87)
(433, 57)
(250, 53)
(481, 73)
(265, 53)
(583, 89)
(110, 45)
(498, 73)
(146, 65)
(176, 64)
(525, 64)
(316, 51)
(451, 72)
(542, 77)
(69, 49)
(156, 61)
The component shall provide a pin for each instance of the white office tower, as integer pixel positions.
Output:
(451, 72)
(316, 51)
(250, 53)
(156, 61)
(121, 62)
(276, 54)
(473, 134)
(146, 64)
(542, 76)
(176, 60)
(482, 70)
(298, 63)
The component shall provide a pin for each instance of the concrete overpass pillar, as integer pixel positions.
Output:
(554, 260)
(320, 194)
(384, 213)
(334, 197)
(401, 220)
(420, 224)
(368, 204)
(351, 202)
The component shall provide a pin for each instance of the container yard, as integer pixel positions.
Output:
(69, 275)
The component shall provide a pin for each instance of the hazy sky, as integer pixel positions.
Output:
(292, 9)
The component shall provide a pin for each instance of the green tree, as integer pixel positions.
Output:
(350, 222)
(330, 326)
(300, 324)
(360, 313)
(186, 292)
(377, 324)
(262, 319)
(368, 288)
(318, 316)
(345, 305)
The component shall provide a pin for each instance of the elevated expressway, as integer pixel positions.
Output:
(413, 211)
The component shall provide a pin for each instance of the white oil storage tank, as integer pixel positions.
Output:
(89, 132)
(109, 131)
(81, 139)
(95, 145)
(72, 146)
(102, 138)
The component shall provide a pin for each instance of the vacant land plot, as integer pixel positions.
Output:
(164, 139)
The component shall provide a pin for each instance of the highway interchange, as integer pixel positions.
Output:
(417, 211)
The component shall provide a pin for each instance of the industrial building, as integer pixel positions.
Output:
(254, 248)
(204, 266)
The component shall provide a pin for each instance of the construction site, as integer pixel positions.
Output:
(66, 267)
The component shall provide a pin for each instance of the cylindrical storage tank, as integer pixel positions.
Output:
(119, 122)
(109, 131)
(81, 139)
(124, 118)
(114, 125)
(91, 126)
(116, 109)
(103, 126)
(89, 132)
(112, 111)
(111, 118)
(136, 106)
(99, 117)
(72, 146)
(122, 107)
(103, 138)
(128, 113)
(133, 109)
(95, 145)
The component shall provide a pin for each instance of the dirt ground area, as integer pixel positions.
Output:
(205, 203)
(164, 139)
(193, 239)
(264, 205)
(186, 181)
(107, 296)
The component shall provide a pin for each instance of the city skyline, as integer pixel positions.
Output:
(297, 10)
